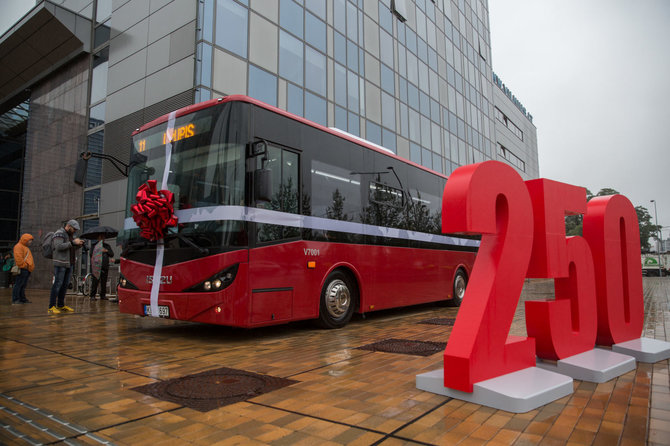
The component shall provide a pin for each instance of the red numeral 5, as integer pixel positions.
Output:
(567, 325)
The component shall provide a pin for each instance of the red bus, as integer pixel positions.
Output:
(282, 219)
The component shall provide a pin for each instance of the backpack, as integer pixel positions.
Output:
(47, 245)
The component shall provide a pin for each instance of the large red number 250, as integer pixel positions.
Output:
(598, 279)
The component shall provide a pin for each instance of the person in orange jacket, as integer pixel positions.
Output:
(24, 260)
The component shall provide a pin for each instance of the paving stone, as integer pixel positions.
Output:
(75, 375)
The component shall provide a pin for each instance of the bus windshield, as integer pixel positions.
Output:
(207, 168)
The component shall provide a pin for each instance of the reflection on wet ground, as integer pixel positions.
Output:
(73, 378)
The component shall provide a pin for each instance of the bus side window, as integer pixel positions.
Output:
(284, 165)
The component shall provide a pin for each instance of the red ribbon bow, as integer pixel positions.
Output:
(154, 211)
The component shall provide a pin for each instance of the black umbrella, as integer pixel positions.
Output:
(94, 233)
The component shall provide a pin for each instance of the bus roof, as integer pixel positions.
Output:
(242, 98)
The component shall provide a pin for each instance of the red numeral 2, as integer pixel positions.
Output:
(491, 199)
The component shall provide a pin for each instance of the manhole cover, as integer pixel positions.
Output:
(406, 347)
(448, 321)
(215, 388)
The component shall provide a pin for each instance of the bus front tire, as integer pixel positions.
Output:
(460, 283)
(338, 300)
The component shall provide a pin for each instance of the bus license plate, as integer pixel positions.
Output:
(163, 310)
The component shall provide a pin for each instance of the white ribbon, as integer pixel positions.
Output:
(242, 213)
(160, 245)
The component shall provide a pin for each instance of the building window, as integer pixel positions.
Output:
(315, 32)
(205, 20)
(290, 57)
(352, 91)
(94, 168)
(315, 71)
(315, 109)
(231, 26)
(510, 157)
(340, 85)
(204, 68)
(373, 133)
(99, 76)
(262, 85)
(399, 8)
(96, 116)
(91, 201)
(500, 116)
(318, 7)
(290, 17)
(340, 44)
(387, 79)
(295, 95)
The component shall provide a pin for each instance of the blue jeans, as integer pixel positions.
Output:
(20, 282)
(61, 280)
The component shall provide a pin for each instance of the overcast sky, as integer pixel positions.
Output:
(595, 75)
(11, 11)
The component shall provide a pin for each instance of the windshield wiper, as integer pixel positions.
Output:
(183, 238)
(144, 243)
(132, 247)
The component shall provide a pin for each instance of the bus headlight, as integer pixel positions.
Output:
(125, 283)
(217, 282)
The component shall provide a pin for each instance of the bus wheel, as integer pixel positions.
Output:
(338, 298)
(460, 282)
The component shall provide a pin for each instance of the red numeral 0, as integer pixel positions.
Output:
(612, 230)
(491, 199)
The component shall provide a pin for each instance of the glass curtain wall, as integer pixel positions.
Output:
(419, 85)
(12, 147)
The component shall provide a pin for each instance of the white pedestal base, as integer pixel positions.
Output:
(595, 365)
(517, 392)
(644, 349)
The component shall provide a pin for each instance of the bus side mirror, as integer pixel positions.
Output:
(258, 148)
(262, 185)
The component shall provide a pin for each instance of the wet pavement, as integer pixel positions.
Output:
(82, 378)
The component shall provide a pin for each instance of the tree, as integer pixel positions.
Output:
(336, 210)
(573, 223)
(647, 229)
(605, 191)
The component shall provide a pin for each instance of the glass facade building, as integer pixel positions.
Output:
(419, 84)
(414, 76)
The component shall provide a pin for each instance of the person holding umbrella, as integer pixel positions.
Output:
(101, 255)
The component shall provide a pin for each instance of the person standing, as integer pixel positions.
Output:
(100, 257)
(64, 257)
(24, 260)
(8, 263)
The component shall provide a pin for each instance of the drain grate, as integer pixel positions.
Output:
(406, 347)
(215, 388)
(448, 321)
